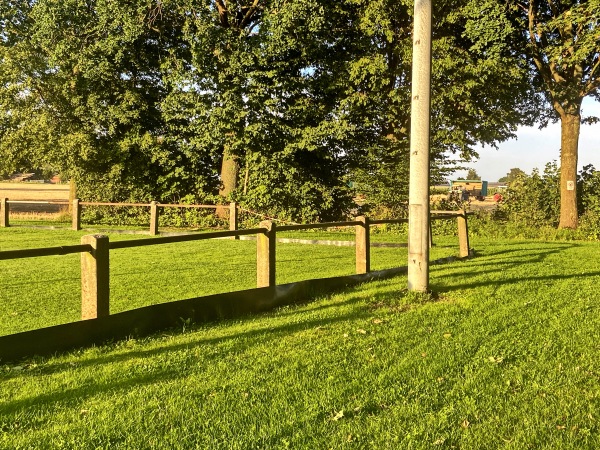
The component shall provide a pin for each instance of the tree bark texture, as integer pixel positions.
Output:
(230, 168)
(229, 173)
(569, 140)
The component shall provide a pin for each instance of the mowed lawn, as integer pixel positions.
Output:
(40, 292)
(505, 354)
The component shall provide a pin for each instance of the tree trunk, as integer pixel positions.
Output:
(230, 168)
(229, 173)
(569, 143)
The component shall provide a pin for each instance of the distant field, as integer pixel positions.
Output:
(35, 191)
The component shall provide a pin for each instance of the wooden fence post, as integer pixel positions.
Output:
(265, 255)
(76, 215)
(363, 245)
(233, 218)
(95, 278)
(463, 234)
(153, 218)
(4, 213)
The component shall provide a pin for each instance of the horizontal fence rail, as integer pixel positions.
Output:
(314, 226)
(175, 205)
(47, 251)
(184, 238)
(37, 202)
(77, 205)
(95, 255)
(233, 209)
(390, 221)
(113, 204)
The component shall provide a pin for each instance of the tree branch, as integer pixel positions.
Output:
(537, 58)
(223, 13)
(593, 72)
(556, 76)
(555, 10)
(548, 72)
(590, 87)
(248, 17)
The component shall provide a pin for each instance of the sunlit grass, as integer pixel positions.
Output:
(41, 292)
(504, 354)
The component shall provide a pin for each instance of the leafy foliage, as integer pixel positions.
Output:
(145, 100)
(531, 207)
(557, 42)
(534, 200)
(512, 175)
(471, 175)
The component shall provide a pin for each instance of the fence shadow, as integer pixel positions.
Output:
(149, 319)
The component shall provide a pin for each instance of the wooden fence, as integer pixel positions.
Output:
(77, 206)
(95, 280)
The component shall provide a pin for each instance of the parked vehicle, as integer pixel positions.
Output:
(467, 189)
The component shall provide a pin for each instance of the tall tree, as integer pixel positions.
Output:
(560, 42)
(472, 175)
(465, 111)
(82, 89)
(240, 18)
(256, 95)
(564, 44)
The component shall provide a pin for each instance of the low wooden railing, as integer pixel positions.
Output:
(77, 206)
(95, 253)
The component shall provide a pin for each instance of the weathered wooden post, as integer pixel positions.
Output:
(463, 234)
(153, 218)
(233, 218)
(265, 255)
(76, 215)
(4, 213)
(95, 278)
(363, 245)
(418, 201)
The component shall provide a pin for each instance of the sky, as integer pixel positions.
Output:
(533, 148)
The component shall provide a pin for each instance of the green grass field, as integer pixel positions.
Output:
(504, 354)
(41, 292)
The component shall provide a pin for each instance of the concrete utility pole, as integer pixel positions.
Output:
(418, 200)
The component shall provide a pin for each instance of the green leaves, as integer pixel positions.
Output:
(308, 96)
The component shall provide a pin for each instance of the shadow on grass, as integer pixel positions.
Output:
(269, 331)
(499, 263)
(515, 280)
(171, 372)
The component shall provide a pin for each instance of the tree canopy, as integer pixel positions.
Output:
(559, 41)
(303, 98)
(471, 175)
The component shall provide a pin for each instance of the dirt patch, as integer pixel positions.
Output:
(488, 204)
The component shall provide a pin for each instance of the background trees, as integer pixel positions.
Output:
(471, 175)
(514, 174)
(83, 89)
(281, 104)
